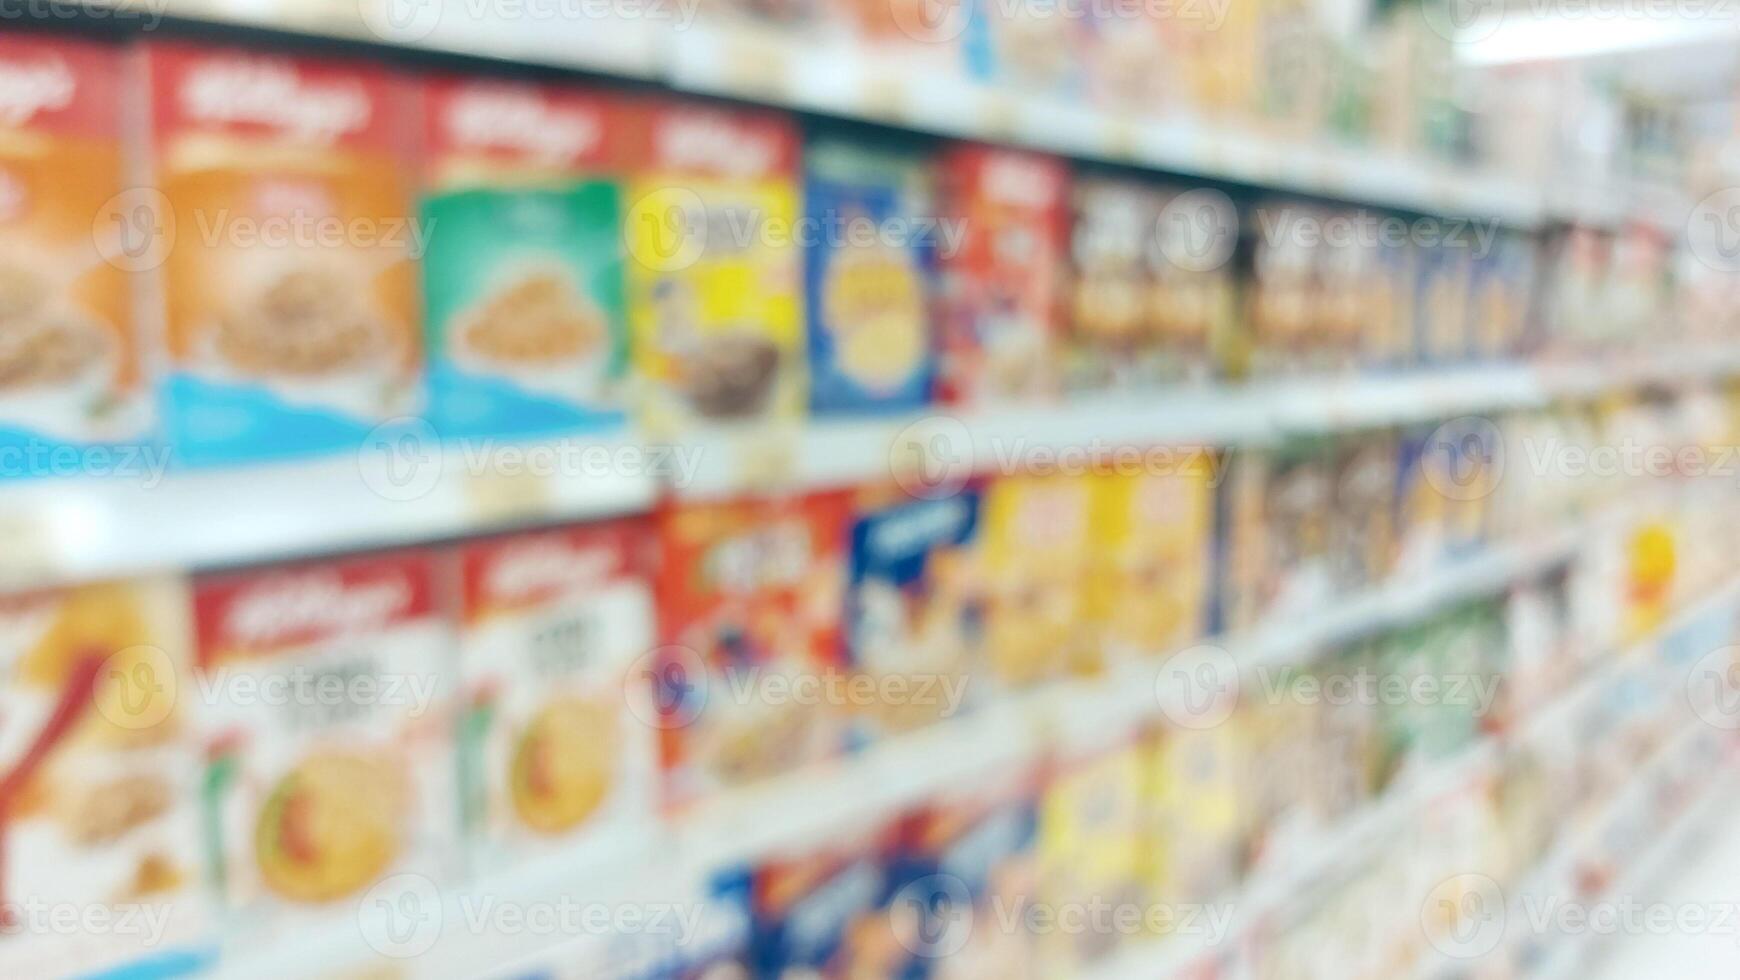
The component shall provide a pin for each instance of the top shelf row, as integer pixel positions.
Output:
(914, 86)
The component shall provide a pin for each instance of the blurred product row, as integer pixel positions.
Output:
(293, 252)
(275, 741)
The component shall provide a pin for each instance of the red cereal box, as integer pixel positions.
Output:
(327, 728)
(750, 594)
(550, 754)
(1004, 287)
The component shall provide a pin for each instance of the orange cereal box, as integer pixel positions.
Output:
(69, 365)
(750, 594)
(289, 297)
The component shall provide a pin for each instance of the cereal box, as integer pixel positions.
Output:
(1193, 793)
(1023, 45)
(1389, 335)
(1193, 292)
(1284, 294)
(1037, 550)
(289, 302)
(1279, 560)
(101, 787)
(523, 278)
(550, 754)
(826, 914)
(968, 863)
(714, 272)
(1153, 532)
(1441, 304)
(1362, 539)
(329, 731)
(869, 277)
(1502, 291)
(913, 606)
(69, 365)
(1111, 340)
(1003, 289)
(1090, 851)
(749, 597)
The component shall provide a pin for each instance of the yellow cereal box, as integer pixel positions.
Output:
(1152, 533)
(1090, 852)
(1037, 555)
(714, 271)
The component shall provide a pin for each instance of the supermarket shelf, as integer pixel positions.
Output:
(837, 77)
(83, 529)
(1398, 806)
(941, 445)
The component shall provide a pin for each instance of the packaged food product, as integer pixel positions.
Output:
(1284, 287)
(1038, 553)
(1350, 270)
(1193, 296)
(1293, 574)
(1578, 261)
(1361, 523)
(1090, 849)
(1192, 821)
(290, 309)
(714, 274)
(1153, 534)
(914, 606)
(69, 360)
(1003, 288)
(1113, 342)
(1422, 507)
(974, 845)
(101, 758)
(1502, 294)
(826, 914)
(1389, 335)
(870, 276)
(750, 593)
(1441, 316)
(523, 278)
(329, 732)
(1024, 44)
(551, 755)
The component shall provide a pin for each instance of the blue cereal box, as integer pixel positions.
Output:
(825, 915)
(913, 609)
(870, 248)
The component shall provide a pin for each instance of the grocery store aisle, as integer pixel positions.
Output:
(1705, 882)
